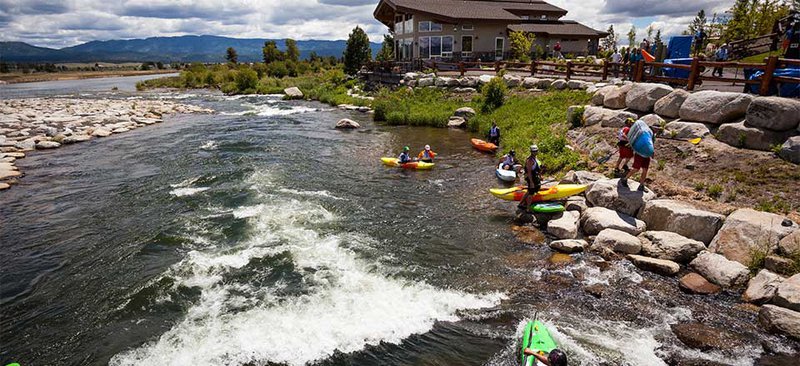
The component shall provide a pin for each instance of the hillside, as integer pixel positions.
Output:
(165, 49)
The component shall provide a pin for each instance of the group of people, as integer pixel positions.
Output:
(427, 155)
(630, 57)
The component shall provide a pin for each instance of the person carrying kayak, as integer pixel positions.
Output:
(533, 176)
(404, 157)
(640, 161)
(625, 150)
(494, 134)
(426, 155)
(556, 357)
(509, 160)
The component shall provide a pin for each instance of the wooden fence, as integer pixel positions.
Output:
(641, 71)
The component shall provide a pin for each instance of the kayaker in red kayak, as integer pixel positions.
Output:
(426, 155)
(533, 176)
(556, 357)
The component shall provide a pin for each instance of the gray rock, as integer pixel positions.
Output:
(788, 293)
(121, 130)
(596, 219)
(682, 218)
(483, 79)
(609, 193)
(559, 84)
(774, 113)
(101, 132)
(790, 150)
(576, 203)
(76, 138)
(606, 117)
(778, 264)
(581, 177)
(748, 231)
(530, 82)
(293, 93)
(457, 122)
(670, 246)
(740, 135)
(790, 244)
(618, 241)
(670, 105)
(565, 227)
(442, 82)
(425, 82)
(544, 84)
(715, 107)
(761, 288)
(599, 96)
(465, 112)
(464, 90)
(780, 320)
(468, 82)
(660, 266)
(643, 96)
(26, 145)
(346, 123)
(615, 98)
(654, 120)
(686, 130)
(512, 81)
(577, 85)
(47, 145)
(720, 270)
(569, 246)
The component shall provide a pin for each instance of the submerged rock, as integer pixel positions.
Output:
(346, 123)
(703, 337)
(696, 284)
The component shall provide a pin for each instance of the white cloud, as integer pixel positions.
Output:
(63, 23)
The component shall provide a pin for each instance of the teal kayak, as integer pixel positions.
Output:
(536, 337)
(547, 208)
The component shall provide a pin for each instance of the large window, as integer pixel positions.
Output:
(466, 46)
(428, 26)
(403, 24)
(398, 24)
(435, 46)
(409, 23)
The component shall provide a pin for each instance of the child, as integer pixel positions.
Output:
(625, 151)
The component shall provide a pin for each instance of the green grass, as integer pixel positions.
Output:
(714, 191)
(759, 58)
(418, 107)
(775, 205)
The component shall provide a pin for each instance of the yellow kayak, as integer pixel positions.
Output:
(414, 165)
(553, 193)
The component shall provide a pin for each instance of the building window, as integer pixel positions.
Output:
(409, 23)
(447, 46)
(468, 27)
(525, 17)
(425, 47)
(398, 24)
(466, 46)
(436, 46)
(428, 26)
(499, 48)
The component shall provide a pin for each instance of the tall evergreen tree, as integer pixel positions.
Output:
(699, 22)
(292, 53)
(610, 42)
(387, 49)
(232, 56)
(358, 52)
(271, 52)
(632, 36)
(658, 40)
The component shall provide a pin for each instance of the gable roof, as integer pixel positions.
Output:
(558, 28)
(454, 10)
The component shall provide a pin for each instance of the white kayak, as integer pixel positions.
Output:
(505, 175)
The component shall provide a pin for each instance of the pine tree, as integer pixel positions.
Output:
(658, 41)
(698, 23)
(232, 56)
(521, 44)
(650, 32)
(358, 52)
(271, 52)
(292, 53)
(632, 36)
(610, 42)
(387, 49)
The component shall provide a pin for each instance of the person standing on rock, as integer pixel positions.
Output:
(533, 177)
(641, 139)
(625, 150)
(494, 134)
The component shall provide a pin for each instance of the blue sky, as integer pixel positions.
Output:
(60, 23)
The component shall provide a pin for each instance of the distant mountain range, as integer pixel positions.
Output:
(164, 49)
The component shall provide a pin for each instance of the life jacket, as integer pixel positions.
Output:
(536, 168)
(622, 135)
(426, 155)
(494, 131)
(404, 158)
(509, 160)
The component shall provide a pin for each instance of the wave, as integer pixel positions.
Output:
(187, 191)
(324, 194)
(209, 145)
(266, 110)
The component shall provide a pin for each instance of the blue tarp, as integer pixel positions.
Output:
(788, 90)
(680, 47)
(676, 73)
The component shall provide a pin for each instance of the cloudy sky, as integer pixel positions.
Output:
(60, 23)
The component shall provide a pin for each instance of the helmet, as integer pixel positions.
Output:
(557, 357)
(512, 152)
(405, 148)
(534, 148)
(427, 147)
(630, 120)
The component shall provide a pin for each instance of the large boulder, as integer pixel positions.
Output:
(670, 105)
(747, 232)
(559, 84)
(101, 132)
(569, 246)
(599, 96)
(606, 117)
(596, 219)
(682, 218)
(643, 96)
(609, 193)
(425, 82)
(443, 82)
(530, 82)
(565, 227)
(578, 84)
(457, 122)
(740, 135)
(576, 203)
(790, 244)
(788, 293)
(761, 288)
(781, 320)
(653, 120)
(686, 130)
(345, 123)
(544, 83)
(293, 93)
(660, 266)
(774, 113)
(512, 80)
(465, 113)
(790, 150)
(720, 270)
(694, 283)
(715, 107)
(670, 246)
(618, 241)
(615, 98)
(581, 177)
(76, 138)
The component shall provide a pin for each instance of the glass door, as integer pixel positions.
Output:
(499, 46)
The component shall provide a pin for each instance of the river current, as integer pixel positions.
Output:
(260, 235)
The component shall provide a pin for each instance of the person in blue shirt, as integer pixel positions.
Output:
(720, 56)
(404, 157)
(494, 134)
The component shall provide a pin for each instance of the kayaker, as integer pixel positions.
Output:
(509, 160)
(533, 176)
(404, 157)
(623, 145)
(494, 134)
(556, 357)
(426, 155)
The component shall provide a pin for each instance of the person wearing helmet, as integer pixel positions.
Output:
(426, 155)
(556, 357)
(404, 157)
(509, 160)
(533, 176)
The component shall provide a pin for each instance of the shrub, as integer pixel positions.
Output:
(246, 81)
(714, 191)
(494, 94)
(576, 118)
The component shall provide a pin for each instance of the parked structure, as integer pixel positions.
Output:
(478, 29)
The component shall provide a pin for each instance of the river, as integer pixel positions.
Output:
(261, 235)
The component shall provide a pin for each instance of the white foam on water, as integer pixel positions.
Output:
(209, 145)
(325, 194)
(187, 191)
(348, 305)
(266, 110)
(185, 183)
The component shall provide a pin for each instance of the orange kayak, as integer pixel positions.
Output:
(483, 145)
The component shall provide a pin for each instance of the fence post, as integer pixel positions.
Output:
(496, 67)
(533, 68)
(693, 74)
(640, 71)
(605, 70)
(433, 66)
(461, 67)
(569, 69)
(769, 71)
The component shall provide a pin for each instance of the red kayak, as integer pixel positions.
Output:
(483, 145)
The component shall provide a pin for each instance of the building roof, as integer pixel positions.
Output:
(558, 28)
(454, 10)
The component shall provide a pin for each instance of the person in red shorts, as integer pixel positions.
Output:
(639, 162)
(625, 151)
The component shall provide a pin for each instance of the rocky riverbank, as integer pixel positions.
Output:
(31, 124)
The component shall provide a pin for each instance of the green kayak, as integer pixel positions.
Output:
(547, 208)
(535, 337)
